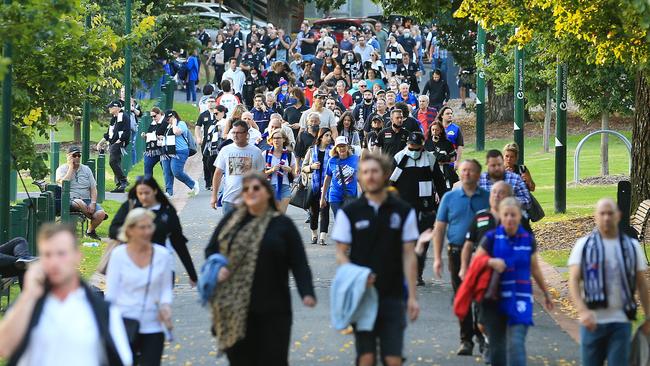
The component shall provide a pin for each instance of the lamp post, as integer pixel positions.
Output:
(560, 137)
(85, 121)
(519, 102)
(5, 145)
(480, 90)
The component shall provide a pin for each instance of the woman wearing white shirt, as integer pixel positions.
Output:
(139, 283)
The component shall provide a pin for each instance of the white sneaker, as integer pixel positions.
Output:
(196, 188)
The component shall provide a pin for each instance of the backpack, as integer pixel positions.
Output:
(191, 143)
(183, 71)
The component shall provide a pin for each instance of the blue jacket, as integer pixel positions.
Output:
(350, 301)
(193, 68)
(209, 277)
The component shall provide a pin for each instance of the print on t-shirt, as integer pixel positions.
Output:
(348, 172)
(239, 165)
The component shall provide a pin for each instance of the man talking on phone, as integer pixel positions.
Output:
(58, 319)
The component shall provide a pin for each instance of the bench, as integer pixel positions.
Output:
(5, 292)
(640, 222)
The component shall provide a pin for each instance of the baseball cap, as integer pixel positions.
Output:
(115, 103)
(416, 138)
(341, 140)
(283, 82)
(74, 149)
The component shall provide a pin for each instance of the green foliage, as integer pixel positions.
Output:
(54, 61)
(598, 89)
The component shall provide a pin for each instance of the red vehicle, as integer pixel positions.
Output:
(338, 25)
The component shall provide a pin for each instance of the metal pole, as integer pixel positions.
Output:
(560, 137)
(250, 10)
(5, 144)
(480, 91)
(126, 160)
(85, 122)
(519, 101)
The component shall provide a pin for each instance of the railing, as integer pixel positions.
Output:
(576, 156)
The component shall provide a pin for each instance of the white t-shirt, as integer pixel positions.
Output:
(327, 118)
(67, 334)
(235, 162)
(126, 284)
(614, 312)
(81, 181)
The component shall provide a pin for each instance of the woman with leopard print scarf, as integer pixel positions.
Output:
(251, 307)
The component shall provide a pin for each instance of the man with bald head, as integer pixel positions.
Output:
(606, 267)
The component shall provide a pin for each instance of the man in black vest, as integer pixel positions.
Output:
(206, 120)
(413, 178)
(117, 137)
(392, 139)
(58, 318)
(379, 231)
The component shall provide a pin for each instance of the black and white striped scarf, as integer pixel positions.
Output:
(594, 276)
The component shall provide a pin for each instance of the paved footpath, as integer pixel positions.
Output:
(432, 340)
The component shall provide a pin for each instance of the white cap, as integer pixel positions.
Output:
(341, 140)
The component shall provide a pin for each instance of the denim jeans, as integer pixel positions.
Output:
(191, 90)
(228, 207)
(150, 163)
(507, 343)
(610, 341)
(173, 168)
(336, 206)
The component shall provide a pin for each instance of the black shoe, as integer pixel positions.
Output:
(322, 242)
(314, 240)
(208, 188)
(466, 349)
(93, 234)
(420, 281)
(118, 189)
(21, 263)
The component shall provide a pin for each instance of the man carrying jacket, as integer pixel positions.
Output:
(379, 231)
(117, 137)
(58, 319)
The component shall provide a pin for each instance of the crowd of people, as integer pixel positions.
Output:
(346, 125)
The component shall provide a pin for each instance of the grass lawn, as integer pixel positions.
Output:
(580, 199)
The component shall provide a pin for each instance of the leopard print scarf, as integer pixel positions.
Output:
(240, 244)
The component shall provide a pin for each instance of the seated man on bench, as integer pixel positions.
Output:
(14, 256)
(83, 190)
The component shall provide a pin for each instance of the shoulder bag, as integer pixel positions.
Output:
(132, 326)
(535, 211)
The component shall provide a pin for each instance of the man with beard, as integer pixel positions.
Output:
(496, 171)
(393, 139)
(378, 231)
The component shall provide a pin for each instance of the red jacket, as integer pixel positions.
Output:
(477, 280)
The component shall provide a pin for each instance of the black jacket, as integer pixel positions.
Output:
(120, 123)
(167, 226)
(281, 250)
(438, 92)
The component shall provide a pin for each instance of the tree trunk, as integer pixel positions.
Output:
(640, 174)
(604, 144)
(500, 108)
(547, 120)
(77, 130)
(279, 13)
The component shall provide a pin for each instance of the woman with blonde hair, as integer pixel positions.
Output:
(280, 166)
(340, 185)
(251, 306)
(139, 283)
(510, 156)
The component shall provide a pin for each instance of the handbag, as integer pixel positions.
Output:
(346, 198)
(300, 195)
(535, 211)
(132, 326)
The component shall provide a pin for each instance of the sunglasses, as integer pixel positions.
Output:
(76, 155)
(253, 188)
